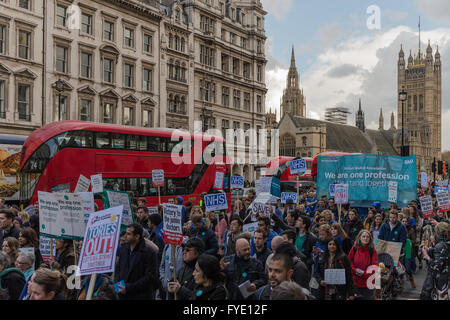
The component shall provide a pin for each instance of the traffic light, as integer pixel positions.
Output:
(440, 167)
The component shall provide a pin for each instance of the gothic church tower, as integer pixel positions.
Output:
(293, 100)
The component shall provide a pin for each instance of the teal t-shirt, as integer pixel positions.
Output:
(299, 242)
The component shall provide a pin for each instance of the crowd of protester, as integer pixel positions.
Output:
(286, 257)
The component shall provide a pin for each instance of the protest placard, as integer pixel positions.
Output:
(341, 193)
(427, 206)
(394, 249)
(44, 248)
(97, 183)
(61, 188)
(120, 198)
(250, 227)
(217, 201)
(440, 189)
(442, 183)
(297, 166)
(288, 195)
(218, 181)
(334, 276)
(158, 178)
(87, 198)
(393, 188)
(332, 187)
(173, 233)
(423, 179)
(82, 184)
(27, 250)
(237, 182)
(443, 201)
(61, 215)
(270, 185)
(152, 210)
(98, 254)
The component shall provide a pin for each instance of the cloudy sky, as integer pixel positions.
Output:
(340, 59)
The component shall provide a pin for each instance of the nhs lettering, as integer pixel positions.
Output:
(215, 202)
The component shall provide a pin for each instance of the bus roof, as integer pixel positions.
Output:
(41, 135)
(12, 139)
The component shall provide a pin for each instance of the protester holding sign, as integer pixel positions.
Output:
(65, 256)
(393, 230)
(334, 258)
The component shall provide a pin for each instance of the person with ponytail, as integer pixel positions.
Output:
(47, 285)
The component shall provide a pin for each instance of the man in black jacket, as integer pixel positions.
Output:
(7, 227)
(262, 252)
(199, 230)
(240, 268)
(142, 213)
(137, 267)
(185, 284)
(281, 268)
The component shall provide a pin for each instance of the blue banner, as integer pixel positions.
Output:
(237, 182)
(288, 195)
(217, 201)
(368, 177)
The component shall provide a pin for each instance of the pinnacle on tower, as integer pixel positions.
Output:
(381, 120)
(392, 122)
(293, 58)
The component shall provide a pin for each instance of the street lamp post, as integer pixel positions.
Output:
(403, 95)
(60, 88)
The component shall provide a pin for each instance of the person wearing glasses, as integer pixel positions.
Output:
(25, 263)
(185, 284)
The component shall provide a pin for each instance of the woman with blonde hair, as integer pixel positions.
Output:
(25, 219)
(362, 256)
(344, 242)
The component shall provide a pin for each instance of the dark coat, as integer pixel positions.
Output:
(352, 228)
(13, 232)
(301, 274)
(215, 292)
(13, 280)
(186, 280)
(397, 234)
(141, 277)
(239, 271)
(209, 238)
(64, 260)
(342, 291)
(262, 256)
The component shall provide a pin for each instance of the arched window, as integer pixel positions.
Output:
(170, 69)
(177, 43)
(182, 44)
(177, 71)
(287, 146)
(176, 102)
(183, 105)
(415, 103)
(170, 41)
(304, 141)
(421, 103)
(170, 103)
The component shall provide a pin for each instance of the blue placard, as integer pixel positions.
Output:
(440, 189)
(237, 182)
(215, 202)
(288, 195)
(298, 166)
(332, 188)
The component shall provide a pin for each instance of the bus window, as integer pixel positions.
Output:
(102, 140)
(79, 139)
(175, 186)
(156, 144)
(132, 185)
(135, 142)
(118, 141)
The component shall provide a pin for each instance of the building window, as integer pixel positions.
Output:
(86, 23)
(287, 146)
(129, 75)
(304, 141)
(225, 127)
(409, 105)
(148, 77)
(247, 70)
(24, 44)
(25, 4)
(207, 24)
(61, 15)
(259, 73)
(129, 37)
(60, 108)
(258, 22)
(236, 99)
(23, 102)
(108, 31)
(259, 46)
(207, 56)
(259, 104)
(108, 70)
(108, 113)
(2, 99)
(86, 65)
(85, 110)
(225, 64)
(128, 116)
(247, 136)
(415, 103)
(236, 64)
(246, 101)
(421, 103)
(146, 118)
(61, 59)
(225, 96)
(2, 39)
(148, 41)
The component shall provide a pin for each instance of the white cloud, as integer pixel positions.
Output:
(278, 8)
(373, 57)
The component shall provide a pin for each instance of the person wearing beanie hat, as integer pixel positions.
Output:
(184, 285)
(180, 201)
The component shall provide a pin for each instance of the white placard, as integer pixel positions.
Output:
(237, 182)
(82, 184)
(341, 193)
(243, 288)
(265, 183)
(335, 276)
(423, 179)
(426, 205)
(44, 248)
(218, 181)
(250, 227)
(152, 210)
(61, 215)
(217, 201)
(158, 178)
(173, 233)
(98, 254)
(117, 198)
(393, 190)
(87, 198)
(26, 250)
(443, 201)
(97, 183)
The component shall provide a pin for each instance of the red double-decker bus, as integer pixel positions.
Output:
(54, 156)
(279, 168)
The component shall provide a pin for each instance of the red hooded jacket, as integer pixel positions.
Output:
(361, 260)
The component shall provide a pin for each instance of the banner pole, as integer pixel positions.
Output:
(174, 268)
(298, 191)
(51, 250)
(159, 195)
(339, 212)
(75, 251)
(218, 231)
(91, 286)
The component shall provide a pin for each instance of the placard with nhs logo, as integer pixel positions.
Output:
(298, 166)
(215, 202)
(288, 195)
(237, 182)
